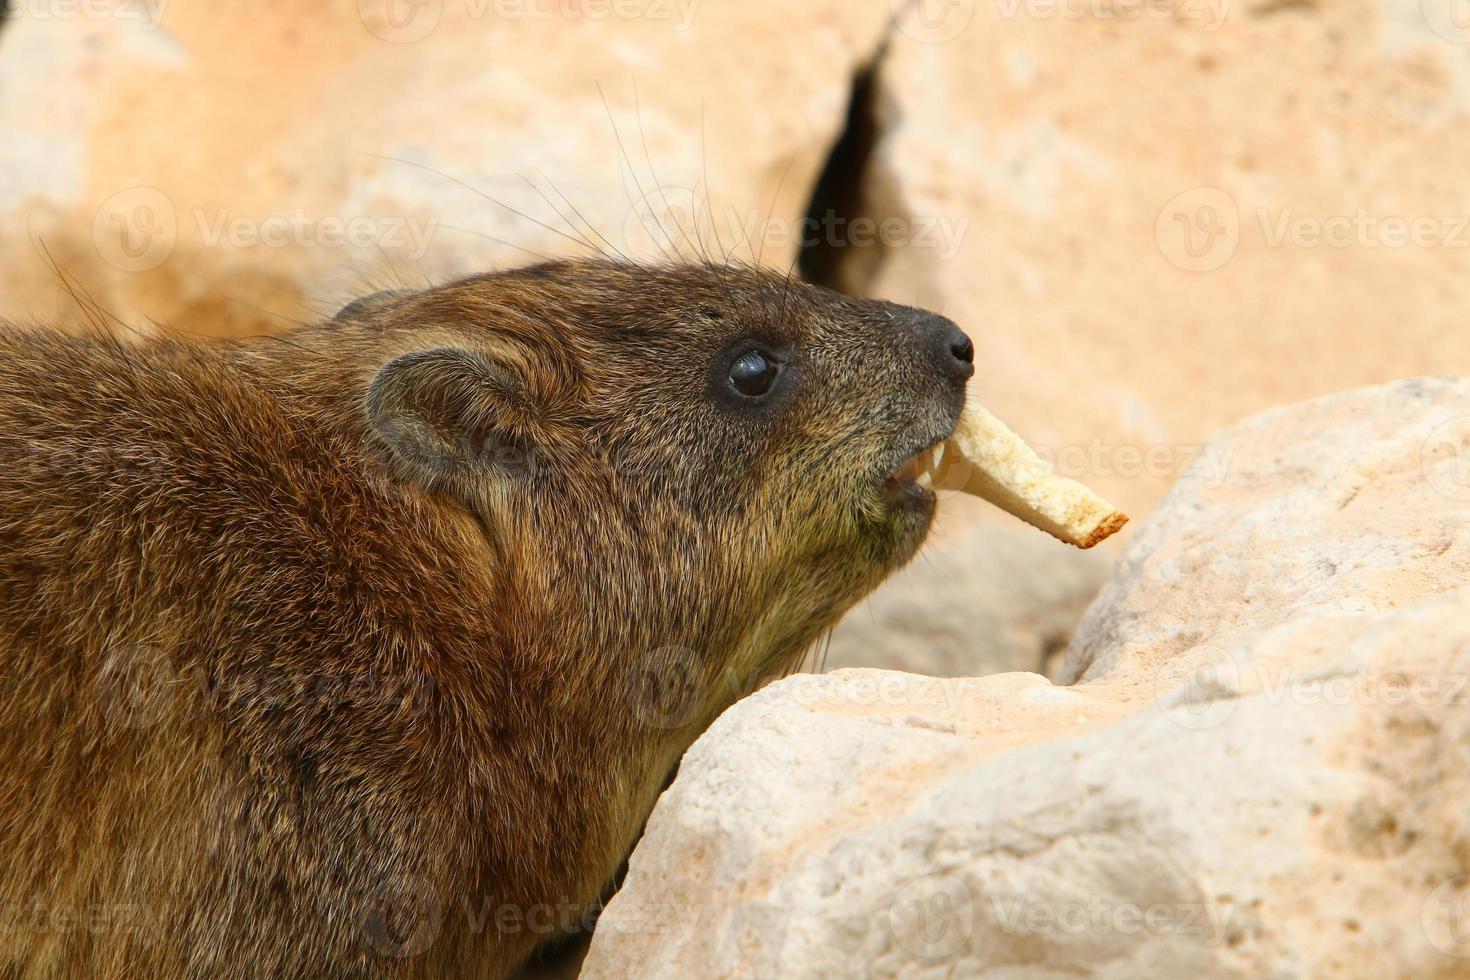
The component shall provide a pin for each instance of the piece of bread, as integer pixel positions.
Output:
(986, 459)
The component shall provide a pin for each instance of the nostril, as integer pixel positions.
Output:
(957, 353)
(948, 347)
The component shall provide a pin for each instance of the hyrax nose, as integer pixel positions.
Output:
(949, 347)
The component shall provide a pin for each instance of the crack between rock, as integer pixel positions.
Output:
(839, 195)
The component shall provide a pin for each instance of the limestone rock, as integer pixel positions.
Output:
(307, 152)
(1335, 511)
(1262, 773)
(1152, 230)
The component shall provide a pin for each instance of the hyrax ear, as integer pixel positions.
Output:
(452, 419)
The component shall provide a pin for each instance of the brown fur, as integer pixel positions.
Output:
(319, 669)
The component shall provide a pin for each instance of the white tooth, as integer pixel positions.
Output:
(925, 479)
(934, 462)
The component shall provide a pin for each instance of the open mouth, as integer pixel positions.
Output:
(913, 480)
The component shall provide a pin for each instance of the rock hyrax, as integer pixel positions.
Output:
(364, 651)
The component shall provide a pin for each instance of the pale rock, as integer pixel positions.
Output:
(306, 152)
(1045, 160)
(1048, 157)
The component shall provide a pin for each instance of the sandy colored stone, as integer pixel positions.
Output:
(1334, 512)
(1262, 774)
(256, 192)
(1065, 141)
(1041, 156)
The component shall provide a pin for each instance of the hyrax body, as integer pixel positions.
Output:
(365, 651)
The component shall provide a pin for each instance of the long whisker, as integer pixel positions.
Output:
(648, 158)
(470, 187)
(708, 189)
(771, 210)
(499, 241)
(570, 224)
(590, 226)
(97, 316)
(633, 172)
(261, 309)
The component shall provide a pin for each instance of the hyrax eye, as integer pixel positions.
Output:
(754, 374)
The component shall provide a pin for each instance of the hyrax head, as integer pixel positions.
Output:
(701, 459)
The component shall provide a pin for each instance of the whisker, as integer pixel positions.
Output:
(590, 226)
(499, 241)
(648, 158)
(470, 187)
(577, 231)
(708, 189)
(268, 312)
(96, 315)
(771, 210)
(633, 172)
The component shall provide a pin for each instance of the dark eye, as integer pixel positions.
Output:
(754, 374)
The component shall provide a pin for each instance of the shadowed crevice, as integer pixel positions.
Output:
(839, 194)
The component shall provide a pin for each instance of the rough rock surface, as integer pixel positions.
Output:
(1081, 141)
(308, 151)
(1152, 230)
(1261, 774)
